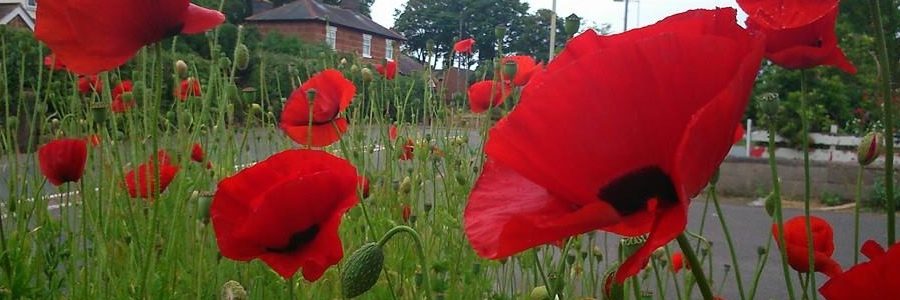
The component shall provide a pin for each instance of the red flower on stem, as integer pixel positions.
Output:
(364, 186)
(408, 148)
(95, 36)
(525, 67)
(123, 99)
(677, 261)
(406, 212)
(799, 34)
(286, 210)
(388, 69)
(197, 153)
(93, 140)
(464, 46)
(874, 279)
(332, 94)
(392, 132)
(53, 62)
(189, 87)
(89, 84)
(62, 160)
(141, 183)
(798, 245)
(584, 150)
(487, 93)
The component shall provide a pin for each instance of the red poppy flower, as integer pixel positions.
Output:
(62, 160)
(123, 100)
(408, 149)
(94, 36)
(525, 67)
(388, 69)
(584, 150)
(799, 34)
(874, 279)
(197, 153)
(480, 98)
(406, 212)
(798, 247)
(286, 210)
(189, 87)
(142, 184)
(677, 261)
(464, 46)
(739, 133)
(333, 94)
(89, 84)
(54, 63)
(392, 132)
(363, 186)
(93, 140)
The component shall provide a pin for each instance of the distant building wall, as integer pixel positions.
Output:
(348, 40)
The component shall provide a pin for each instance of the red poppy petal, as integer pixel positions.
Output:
(322, 135)
(787, 14)
(669, 223)
(507, 214)
(63, 160)
(872, 249)
(315, 258)
(198, 19)
(330, 85)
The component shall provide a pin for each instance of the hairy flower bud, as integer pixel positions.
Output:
(181, 69)
(540, 293)
(232, 290)
(367, 74)
(869, 148)
(573, 24)
(362, 269)
(241, 56)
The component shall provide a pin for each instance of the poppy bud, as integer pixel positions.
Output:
(611, 289)
(354, 68)
(241, 56)
(224, 62)
(760, 250)
(540, 293)
(255, 108)
(630, 245)
(362, 269)
(54, 123)
(405, 185)
(406, 213)
(99, 111)
(768, 104)
(367, 74)
(659, 253)
(364, 186)
(203, 205)
(232, 290)
(343, 61)
(573, 24)
(509, 69)
(869, 148)
(461, 179)
(500, 31)
(770, 205)
(181, 69)
(598, 254)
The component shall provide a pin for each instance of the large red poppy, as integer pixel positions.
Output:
(875, 279)
(140, 181)
(189, 87)
(286, 210)
(388, 69)
(798, 247)
(486, 94)
(586, 150)
(525, 67)
(62, 160)
(123, 100)
(464, 46)
(333, 94)
(94, 36)
(799, 34)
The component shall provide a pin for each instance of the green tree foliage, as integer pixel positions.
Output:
(365, 6)
(531, 34)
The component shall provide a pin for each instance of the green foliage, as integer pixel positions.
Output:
(877, 197)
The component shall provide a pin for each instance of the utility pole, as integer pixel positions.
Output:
(553, 32)
(625, 24)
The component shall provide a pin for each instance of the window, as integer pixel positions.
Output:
(32, 3)
(388, 49)
(331, 36)
(367, 46)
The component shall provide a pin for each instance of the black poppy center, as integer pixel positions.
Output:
(629, 193)
(297, 240)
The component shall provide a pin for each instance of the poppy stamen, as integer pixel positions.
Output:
(631, 192)
(297, 240)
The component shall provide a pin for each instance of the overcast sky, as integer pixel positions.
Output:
(641, 12)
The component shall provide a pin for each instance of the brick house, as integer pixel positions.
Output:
(18, 13)
(343, 28)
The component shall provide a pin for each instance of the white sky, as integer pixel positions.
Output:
(641, 12)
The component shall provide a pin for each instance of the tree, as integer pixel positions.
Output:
(365, 6)
(530, 34)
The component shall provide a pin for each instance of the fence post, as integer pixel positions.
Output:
(748, 137)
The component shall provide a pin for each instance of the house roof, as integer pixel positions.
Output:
(9, 12)
(311, 10)
(409, 65)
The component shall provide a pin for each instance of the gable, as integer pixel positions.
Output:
(15, 13)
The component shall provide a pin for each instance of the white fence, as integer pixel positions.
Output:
(828, 147)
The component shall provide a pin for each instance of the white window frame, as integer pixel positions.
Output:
(389, 49)
(367, 45)
(331, 36)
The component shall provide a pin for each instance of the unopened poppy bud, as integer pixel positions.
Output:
(363, 186)
(241, 57)
(510, 69)
(770, 205)
(54, 122)
(630, 245)
(343, 61)
(99, 111)
(367, 74)
(232, 290)
(500, 31)
(597, 253)
(760, 250)
(354, 68)
(540, 293)
(659, 253)
(405, 185)
(869, 148)
(768, 104)
(255, 108)
(461, 179)
(203, 205)
(362, 269)
(224, 62)
(170, 116)
(573, 24)
(181, 69)
(611, 289)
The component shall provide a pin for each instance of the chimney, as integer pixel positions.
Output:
(350, 4)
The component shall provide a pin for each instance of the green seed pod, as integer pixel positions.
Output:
(241, 57)
(869, 148)
(573, 24)
(181, 69)
(354, 68)
(509, 69)
(362, 269)
(203, 205)
(232, 290)
(540, 293)
(255, 108)
(99, 110)
(768, 104)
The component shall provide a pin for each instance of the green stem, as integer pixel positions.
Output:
(888, 121)
(734, 261)
(859, 177)
(804, 119)
(537, 262)
(419, 250)
(779, 217)
(696, 267)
